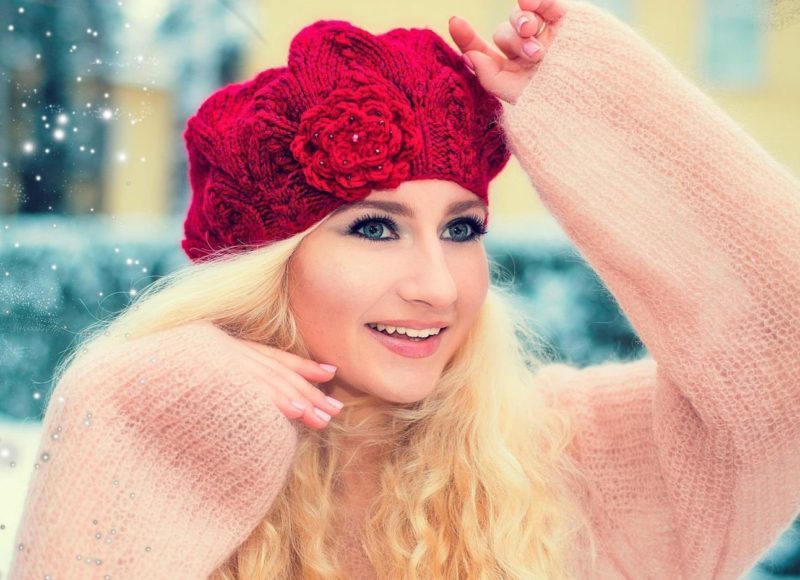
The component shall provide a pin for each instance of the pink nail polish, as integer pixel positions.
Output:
(322, 414)
(521, 21)
(531, 47)
(334, 402)
(328, 368)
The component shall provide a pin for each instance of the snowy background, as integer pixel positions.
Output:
(79, 82)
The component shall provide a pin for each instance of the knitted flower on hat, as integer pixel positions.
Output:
(346, 146)
(351, 113)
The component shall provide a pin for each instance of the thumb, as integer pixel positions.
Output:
(484, 66)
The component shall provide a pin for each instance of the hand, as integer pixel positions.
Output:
(286, 377)
(506, 75)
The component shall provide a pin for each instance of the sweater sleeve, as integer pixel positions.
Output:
(158, 457)
(694, 453)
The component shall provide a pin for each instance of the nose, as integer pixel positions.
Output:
(426, 276)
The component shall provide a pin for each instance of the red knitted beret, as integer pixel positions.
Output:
(349, 114)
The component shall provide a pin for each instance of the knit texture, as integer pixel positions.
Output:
(350, 113)
(166, 458)
(692, 454)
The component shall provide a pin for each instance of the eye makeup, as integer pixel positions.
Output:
(476, 225)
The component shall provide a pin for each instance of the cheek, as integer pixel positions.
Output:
(473, 284)
(328, 301)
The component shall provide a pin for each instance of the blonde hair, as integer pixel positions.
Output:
(474, 480)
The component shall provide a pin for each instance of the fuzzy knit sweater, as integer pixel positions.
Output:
(163, 455)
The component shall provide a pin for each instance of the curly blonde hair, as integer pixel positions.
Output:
(474, 481)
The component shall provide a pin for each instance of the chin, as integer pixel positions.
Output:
(401, 393)
(405, 398)
(393, 387)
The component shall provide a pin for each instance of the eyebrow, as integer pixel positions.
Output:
(403, 210)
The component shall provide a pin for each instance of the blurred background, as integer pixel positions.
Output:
(94, 95)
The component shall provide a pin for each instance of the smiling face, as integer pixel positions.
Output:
(410, 257)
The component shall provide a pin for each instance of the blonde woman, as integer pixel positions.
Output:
(268, 412)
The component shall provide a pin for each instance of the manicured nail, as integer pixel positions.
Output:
(322, 414)
(467, 61)
(521, 21)
(328, 368)
(531, 47)
(334, 402)
(298, 405)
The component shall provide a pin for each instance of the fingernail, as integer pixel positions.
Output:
(328, 368)
(531, 47)
(521, 21)
(322, 414)
(334, 402)
(298, 405)
(467, 61)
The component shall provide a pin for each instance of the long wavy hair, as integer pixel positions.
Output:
(475, 481)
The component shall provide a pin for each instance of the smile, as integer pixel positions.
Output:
(421, 333)
(407, 346)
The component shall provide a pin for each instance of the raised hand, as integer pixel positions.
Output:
(506, 72)
(286, 377)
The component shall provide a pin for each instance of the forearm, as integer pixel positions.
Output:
(690, 223)
(695, 229)
(166, 458)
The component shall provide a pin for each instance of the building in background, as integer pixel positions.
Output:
(93, 95)
(160, 60)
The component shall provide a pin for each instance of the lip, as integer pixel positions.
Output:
(415, 324)
(408, 348)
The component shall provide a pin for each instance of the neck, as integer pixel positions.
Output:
(364, 416)
(363, 435)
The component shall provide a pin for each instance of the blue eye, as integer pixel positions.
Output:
(372, 228)
(464, 230)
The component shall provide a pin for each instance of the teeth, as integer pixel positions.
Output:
(421, 333)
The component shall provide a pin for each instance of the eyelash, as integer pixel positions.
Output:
(477, 225)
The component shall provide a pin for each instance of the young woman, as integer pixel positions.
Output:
(269, 412)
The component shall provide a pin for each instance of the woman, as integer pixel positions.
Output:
(190, 439)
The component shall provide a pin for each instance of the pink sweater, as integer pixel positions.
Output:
(168, 455)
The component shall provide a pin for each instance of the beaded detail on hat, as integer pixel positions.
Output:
(351, 113)
(357, 140)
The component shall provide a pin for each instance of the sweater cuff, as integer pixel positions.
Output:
(593, 68)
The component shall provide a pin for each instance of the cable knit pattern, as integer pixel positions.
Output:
(345, 146)
(351, 113)
(692, 454)
(695, 229)
(167, 457)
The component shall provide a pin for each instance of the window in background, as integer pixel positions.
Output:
(733, 42)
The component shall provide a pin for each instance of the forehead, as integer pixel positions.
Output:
(424, 194)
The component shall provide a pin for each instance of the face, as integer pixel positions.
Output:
(410, 257)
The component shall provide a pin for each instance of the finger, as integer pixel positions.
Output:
(467, 39)
(485, 67)
(306, 390)
(550, 10)
(286, 405)
(307, 368)
(526, 24)
(504, 84)
(295, 406)
(312, 416)
(514, 46)
(288, 381)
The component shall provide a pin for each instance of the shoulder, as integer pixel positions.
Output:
(190, 341)
(186, 372)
